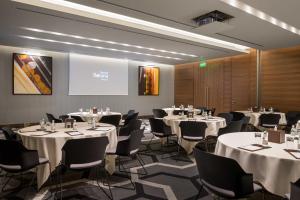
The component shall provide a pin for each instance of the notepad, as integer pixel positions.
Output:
(73, 133)
(254, 147)
(295, 153)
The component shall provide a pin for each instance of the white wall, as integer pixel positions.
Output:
(31, 108)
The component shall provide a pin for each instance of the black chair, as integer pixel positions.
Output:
(130, 112)
(227, 116)
(223, 176)
(134, 124)
(237, 116)
(295, 191)
(160, 129)
(245, 125)
(15, 159)
(52, 118)
(212, 110)
(77, 118)
(234, 126)
(63, 117)
(111, 119)
(129, 148)
(130, 117)
(192, 130)
(159, 113)
(84, 154)
(269, 120)
(292, 117)
(9, 134)
(179, 112)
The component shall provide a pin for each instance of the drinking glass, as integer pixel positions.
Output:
(257, 138)
(290, 142)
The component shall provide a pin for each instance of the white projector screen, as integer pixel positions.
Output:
(91, 75)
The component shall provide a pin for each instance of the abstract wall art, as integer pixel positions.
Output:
(32, 74)
(149, 80)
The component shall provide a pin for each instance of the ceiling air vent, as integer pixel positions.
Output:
(214, 16)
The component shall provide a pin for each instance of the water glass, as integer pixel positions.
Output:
(290, 142)
(257, 137)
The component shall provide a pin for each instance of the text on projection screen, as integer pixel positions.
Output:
(91, 75)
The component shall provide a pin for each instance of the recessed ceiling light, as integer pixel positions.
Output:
(107, 41)
(98, 47)
(260, 14)
(98, 14)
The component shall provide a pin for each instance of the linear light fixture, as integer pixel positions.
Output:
(97, 47)
(261, 15)
(98, 14)
(108, 42)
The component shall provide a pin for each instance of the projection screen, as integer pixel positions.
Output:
(91, 75)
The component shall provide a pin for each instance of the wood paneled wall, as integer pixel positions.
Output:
(232, 81)
(280, 79)
(224, 84)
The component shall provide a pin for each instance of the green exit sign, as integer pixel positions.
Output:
(202, 62)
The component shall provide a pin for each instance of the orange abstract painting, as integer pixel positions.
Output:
(149, 80)
(32, 74)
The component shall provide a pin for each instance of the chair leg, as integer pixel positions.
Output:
(110, 196)
(6, 182)
(125, 171)
(199, 192)
(142, 163)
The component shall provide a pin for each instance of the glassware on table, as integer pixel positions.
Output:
(52, 126)
(107, 110)
(42, 124)
(80, 110)
(265, 139)
(257, 138)
(74, 125)
(289, 140)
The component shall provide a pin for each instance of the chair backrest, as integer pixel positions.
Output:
(111, 119)
(134, 124)
(237, 116)
(192, 130)
(159, 113)
(212, 110)
(77, 118)
(130, 112)
(131, 145)
(9, 134)
(51, 118)
(227, 116)
(178, 112)
(132, 116)
(13, 154)
(234, 126)
(64, 117)
(269, 120)
(84, 153)
(222, 176)
(157, 125)
(246, 121)
(292, 117)
(295, 190)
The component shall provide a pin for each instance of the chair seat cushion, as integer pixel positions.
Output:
(122, 138)
(85, 165)
(192, 138)
(43, 160)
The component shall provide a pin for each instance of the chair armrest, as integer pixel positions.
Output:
(29, 159)
(246, 184)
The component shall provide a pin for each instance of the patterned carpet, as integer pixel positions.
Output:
(168, 178)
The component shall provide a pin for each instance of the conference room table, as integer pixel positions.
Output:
(169, 111)
(254, 116)
(87, 116)
(49, 144)
(213, 126)
(273, 167)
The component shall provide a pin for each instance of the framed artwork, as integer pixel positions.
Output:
(32, 74)
(149, 81)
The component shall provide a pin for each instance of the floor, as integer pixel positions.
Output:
(168, 177)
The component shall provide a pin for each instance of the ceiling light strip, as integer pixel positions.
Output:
(98, 47)
(261, 15)
(98, 14)
(107, 41)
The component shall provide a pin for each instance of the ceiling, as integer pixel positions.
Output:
(243, 29)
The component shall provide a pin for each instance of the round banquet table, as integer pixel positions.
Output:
(169, 111)
(49, 145)
(274, 168)
(254, 116)
(87, 116)
(213, 126)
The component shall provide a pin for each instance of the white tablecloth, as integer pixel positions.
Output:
(213, 126)
(254, 117)
(273, 167)
(86, 116)
(49, 146)
(169, 111)
(298, 125)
